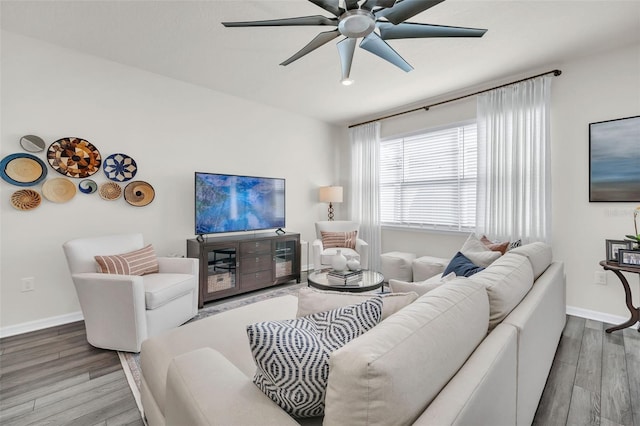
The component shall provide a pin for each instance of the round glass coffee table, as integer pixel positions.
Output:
(370, 281)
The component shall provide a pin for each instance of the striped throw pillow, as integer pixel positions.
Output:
(138, 262)
(339, 239)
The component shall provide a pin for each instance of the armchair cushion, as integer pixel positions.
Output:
(137, 262)
(339, 239)
(160, 289)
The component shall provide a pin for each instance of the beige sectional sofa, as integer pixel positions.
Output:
(472, 351)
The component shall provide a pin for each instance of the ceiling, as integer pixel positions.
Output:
(184, 40)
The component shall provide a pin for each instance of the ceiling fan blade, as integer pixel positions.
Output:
(374, 44)
(346, 48)
(329, 5)
(318, 41)
(413, 30)
(405, 9)
(303, 20)
(370, 4)
(351, 4)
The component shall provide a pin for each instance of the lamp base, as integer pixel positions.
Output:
(330, 211)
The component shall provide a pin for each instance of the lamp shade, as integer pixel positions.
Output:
(331, 194)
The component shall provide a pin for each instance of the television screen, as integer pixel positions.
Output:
(230, 203)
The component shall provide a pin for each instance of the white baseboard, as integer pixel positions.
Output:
(597, 316)
(27, 327)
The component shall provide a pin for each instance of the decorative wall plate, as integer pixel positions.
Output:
(23, 169)
(110, 191)
(25, 199)
(74, 157)
(139, 193)
(87, 186)
(32, 143)
(59, 190)
(119, 167)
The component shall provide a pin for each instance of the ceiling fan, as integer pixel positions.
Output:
(360, 19)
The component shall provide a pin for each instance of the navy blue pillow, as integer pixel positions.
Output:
(462, 266)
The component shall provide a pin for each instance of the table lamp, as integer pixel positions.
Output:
(331, 194)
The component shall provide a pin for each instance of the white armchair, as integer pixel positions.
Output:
(322, 255)
(120, 311)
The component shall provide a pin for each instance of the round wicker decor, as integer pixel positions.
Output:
(22, 169)
(139, 193)
(58, 190)
(87, 186)
(120, 167)
(74, 157)
(110, 191)
(25, 199)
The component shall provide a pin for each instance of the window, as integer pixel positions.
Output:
(429, 180)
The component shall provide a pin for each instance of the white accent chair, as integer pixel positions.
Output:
(322, 256)
(120, 311)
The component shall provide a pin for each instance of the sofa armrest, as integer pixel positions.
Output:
(426, 267)
(204, 388)
(483, 392)
(178, 265)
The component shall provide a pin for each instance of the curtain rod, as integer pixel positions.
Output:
(426, 107)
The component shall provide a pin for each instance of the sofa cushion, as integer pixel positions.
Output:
(478, 253)
(137, 262)
(390, 374)
(312, 301)
(162, 288)
(538, 253)
(507, 281)
(462, 266)
(292, 356)
(339, 239)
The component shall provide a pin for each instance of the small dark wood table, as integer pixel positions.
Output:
(635, 312)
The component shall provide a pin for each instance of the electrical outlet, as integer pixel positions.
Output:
(600, 278)
(28, 284)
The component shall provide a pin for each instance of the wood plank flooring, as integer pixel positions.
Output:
(55, 377)
(595, 377)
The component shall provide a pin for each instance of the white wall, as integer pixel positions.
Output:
(170, 128)
(595, 88)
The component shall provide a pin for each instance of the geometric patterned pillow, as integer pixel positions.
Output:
(293, 355)
(138, 262)
(339, 239)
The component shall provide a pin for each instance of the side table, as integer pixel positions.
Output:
(635, 312)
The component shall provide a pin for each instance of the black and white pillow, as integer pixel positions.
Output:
(293, 355)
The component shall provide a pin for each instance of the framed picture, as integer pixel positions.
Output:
(614, 155)
(614, 246)
(629, 258)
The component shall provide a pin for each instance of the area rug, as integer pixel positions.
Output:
(131, 362)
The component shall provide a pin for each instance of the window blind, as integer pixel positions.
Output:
(429, 180)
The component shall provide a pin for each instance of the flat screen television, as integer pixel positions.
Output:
(232, 203)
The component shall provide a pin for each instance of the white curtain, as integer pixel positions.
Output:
(364, 201)
(514, 170)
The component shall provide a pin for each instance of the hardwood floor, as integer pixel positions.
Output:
(595, 377)
(55, 377)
